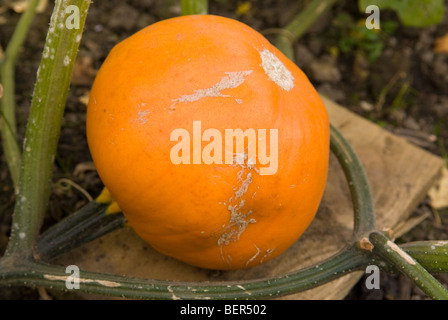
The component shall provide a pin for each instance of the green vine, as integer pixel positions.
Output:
(7, 108)
(44, 123)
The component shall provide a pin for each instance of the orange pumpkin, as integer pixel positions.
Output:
(212, 142)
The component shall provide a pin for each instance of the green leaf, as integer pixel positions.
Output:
(412, 13)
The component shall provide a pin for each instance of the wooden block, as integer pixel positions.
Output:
(400, 175)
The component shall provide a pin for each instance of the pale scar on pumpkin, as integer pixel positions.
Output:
(143, 113)
(276, 70)
(266, 254)
(230, 81)
(254, 256)
(238, 221)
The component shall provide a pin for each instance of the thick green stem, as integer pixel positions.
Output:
(433, 255)
(11, 146)
(301, 23)
(314, 10)
(404, 263)
(88, 223)
(364, 215)
(44, 123)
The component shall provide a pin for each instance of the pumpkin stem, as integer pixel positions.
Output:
(189, 7)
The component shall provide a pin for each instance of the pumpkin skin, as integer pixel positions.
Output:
(216, 70)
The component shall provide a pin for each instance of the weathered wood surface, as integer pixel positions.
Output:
(400, 175)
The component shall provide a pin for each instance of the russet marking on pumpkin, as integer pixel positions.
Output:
(232, 80)
(142, 116)
(267, 254)
(238, 221)
(276, 70)
(254, 256)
